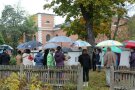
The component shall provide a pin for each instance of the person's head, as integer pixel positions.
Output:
(108, 49)
(99, 50)
(58, 48)
(5, 51)
(27, 51)
(46, 51)
(19, 52)
(84, 51)
(52, 50)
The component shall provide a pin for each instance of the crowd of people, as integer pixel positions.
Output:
(51, 58)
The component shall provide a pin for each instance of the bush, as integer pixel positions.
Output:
(12, 61)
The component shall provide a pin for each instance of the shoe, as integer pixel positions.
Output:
(86, 84)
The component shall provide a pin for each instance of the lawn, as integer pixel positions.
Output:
(97, 81)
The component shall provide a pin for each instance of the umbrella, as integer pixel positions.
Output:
(108, 43)
(21, 46)
(60, 39)
(4, 46)
(32, 44)
(129, 44)
(51, 45)
(80, 43)
(114, 49)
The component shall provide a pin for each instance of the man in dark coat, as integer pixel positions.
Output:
(85, 62)
(132, 59)
(5, 58)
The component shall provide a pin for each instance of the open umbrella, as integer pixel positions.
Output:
(114, 49)
(21, 46)
(4, 46)
(108, 43)
(32, 44)
(60, 39)
(80, 43)
(129, 44)
(51, 45)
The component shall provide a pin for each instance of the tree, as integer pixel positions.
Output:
(131, 28)
(1, 39)
(14, 23)
(93, 11)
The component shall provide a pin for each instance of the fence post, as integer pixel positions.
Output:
(80, 79)
(21, 71)
(112, 78)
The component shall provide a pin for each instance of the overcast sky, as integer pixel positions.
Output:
(31, 6)
(36, 6)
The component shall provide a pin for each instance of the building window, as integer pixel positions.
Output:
(47, 37)
(47, 22)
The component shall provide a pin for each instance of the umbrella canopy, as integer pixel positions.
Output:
(80, 43)
(60, 39)
(32, 44)
(51, 45)
(108, 43)
(21, 46)
(4, 46)
(129, 44)
(114, 49)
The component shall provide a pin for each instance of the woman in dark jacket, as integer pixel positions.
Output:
(45, 57)
(59, 57)
(85, 62)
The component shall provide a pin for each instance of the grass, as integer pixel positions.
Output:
(97, 81)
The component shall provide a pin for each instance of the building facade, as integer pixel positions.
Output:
(47, 29)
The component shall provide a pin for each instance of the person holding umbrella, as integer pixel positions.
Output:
(59, 57)
(109, 60)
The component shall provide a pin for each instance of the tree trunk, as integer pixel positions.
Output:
(116, 29)
(88, 16)
(90, 34)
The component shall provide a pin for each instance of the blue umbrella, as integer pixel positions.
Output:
(4, 46)
(21, 46)
(50, 45)
(31, 44)
(114, 49)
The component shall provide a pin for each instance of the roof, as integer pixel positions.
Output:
(45, 14)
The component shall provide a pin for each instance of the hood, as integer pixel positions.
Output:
(39, 54)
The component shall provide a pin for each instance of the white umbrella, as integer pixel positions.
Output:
(80, 43)
(108, 43)
(51, 45)
(60, 39)
(4, 46)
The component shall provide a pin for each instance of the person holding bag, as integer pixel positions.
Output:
(27, 57)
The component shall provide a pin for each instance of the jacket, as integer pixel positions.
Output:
(132, 59)
(109, 59)
(26, 61)
(5, 58)
(85, 61)
(59, 58)
(38, 59)
(50, 60)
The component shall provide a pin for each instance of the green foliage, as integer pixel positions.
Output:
(131, 28)
(1, 39)
(14, 23)
(12, 61)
